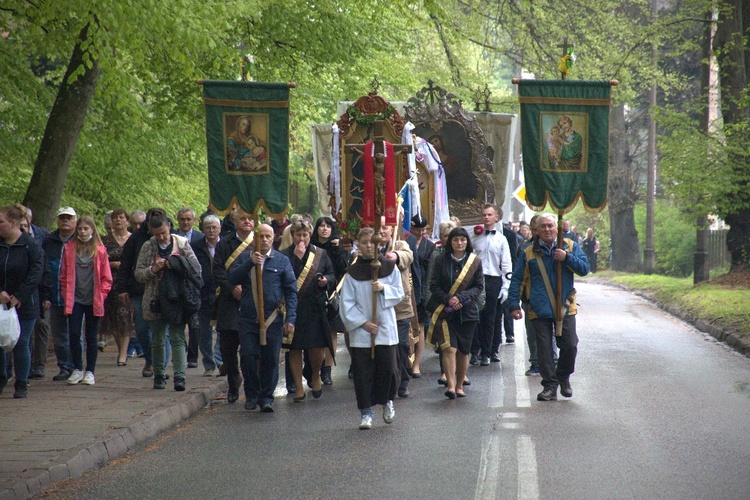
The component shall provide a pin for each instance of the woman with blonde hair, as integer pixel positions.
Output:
(85, 282)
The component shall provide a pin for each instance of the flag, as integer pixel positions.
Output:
(405, 197)
(565, 142)
(247, 136)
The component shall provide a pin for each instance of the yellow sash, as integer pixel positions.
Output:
(436, 320)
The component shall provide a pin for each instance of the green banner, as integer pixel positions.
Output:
(247, 134)
(565, 142)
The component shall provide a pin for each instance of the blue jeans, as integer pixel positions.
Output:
(58, 323)
(21, 353)
(260, 364)
(92, 330)
(218, 360)
(205, 338)
(164, 336)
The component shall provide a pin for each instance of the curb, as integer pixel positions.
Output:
(116, 443)
(728, 337)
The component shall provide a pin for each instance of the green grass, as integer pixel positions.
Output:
(724, 306)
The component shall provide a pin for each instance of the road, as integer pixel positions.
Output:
(660, 410)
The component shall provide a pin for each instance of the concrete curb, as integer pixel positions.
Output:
(728, 337)
(116, 443)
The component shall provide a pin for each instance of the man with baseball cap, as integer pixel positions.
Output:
(53, 248)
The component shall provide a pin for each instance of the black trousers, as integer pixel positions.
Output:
(503, 321)
(375, 380)
(230, 345)
(403, 350)
(193, 339)
(567, 343)
(485, 333)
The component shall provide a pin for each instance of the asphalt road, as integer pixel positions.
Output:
(659, 411)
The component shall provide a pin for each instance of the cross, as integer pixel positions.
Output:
(379, 138)
(242, 48)
(565, 46)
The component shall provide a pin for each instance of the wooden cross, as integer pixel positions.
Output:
(379, 200)
(565, 46)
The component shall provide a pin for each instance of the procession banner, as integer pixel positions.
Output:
(247, 135)
(565, 142)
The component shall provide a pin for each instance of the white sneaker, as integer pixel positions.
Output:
(88, 379)
(366, 422)
(75, 377)
(388, 412)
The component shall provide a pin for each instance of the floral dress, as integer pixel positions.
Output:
(118, 316)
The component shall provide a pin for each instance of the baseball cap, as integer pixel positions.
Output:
(67, 211)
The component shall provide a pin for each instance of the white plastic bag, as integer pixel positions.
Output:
(10, 328)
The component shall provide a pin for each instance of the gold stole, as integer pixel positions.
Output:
(438, 334)
(311, 266)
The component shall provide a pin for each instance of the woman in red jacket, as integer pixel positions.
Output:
(85, 281)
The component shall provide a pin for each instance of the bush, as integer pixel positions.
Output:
(674, 237)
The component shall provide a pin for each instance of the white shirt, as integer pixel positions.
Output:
(494, 251)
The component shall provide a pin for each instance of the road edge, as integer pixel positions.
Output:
(115, 443)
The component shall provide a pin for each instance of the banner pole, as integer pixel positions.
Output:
(259, 280)
(558, 298)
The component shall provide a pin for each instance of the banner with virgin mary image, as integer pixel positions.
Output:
(565, 142)
(247, 136)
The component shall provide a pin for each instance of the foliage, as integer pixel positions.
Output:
(674, 237)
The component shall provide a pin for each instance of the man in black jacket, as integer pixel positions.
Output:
(205, 251)
(228, 301)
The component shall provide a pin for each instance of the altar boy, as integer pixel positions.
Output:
(375, 380)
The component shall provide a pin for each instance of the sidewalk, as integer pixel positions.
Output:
(60, 431)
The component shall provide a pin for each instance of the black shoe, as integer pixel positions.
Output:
(474, 361)
(63, 375)
(179, 384)
(21, 390)
(291, 387)
(403, 392)
(547, 395)
(325, 375)
(565, 389)
(266, 408)
(250, 405)
(36, 375)
(222, 370)
(485, 361)
(495, 358)
(317, 394)
(350, 374)
(510, 340)
(160, 383)
(442, 381)
(192, 364)
(232, 397)
(415, 375)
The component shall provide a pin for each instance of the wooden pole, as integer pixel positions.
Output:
(259, 279)
(558, 299)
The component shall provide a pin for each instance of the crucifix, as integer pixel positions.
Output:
(383, 180)
(565, 46)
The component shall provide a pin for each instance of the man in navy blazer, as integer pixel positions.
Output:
(260, 364)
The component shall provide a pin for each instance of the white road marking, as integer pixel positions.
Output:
(489, 469)
(528, 480)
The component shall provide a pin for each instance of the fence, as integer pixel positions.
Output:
(718, 256)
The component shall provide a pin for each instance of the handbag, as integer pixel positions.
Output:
(10, 328)
(332, 305)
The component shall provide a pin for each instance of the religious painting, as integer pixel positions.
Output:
(246, 143)
(564, 140)
(449, 140)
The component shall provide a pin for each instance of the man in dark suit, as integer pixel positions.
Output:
(185, 222)
(205, 250)
(229, 248)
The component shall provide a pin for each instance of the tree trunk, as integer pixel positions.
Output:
(61, 136)
(626, 251)
(734, 70)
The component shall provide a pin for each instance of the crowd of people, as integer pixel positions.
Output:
(167, 290)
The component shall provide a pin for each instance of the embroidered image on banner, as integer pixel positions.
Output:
(565, 142)
(246, 141)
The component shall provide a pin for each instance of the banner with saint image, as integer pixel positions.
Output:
(247, 136)
(565, 142)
